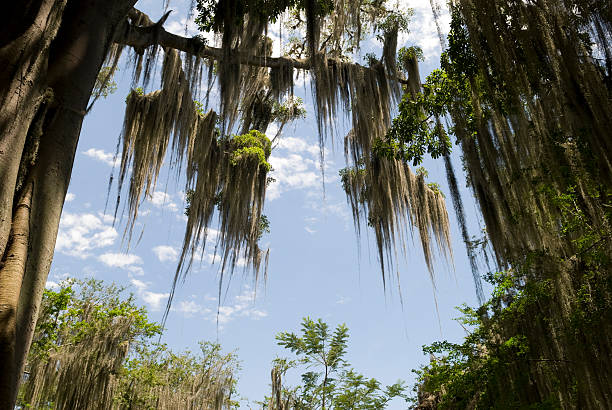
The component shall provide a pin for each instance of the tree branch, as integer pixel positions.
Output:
(141, 32)
(148, 34)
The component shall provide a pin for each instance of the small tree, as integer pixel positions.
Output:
(328, 385)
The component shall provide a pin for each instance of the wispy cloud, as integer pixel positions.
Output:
(326, 209)
(51, 285)
(152, 299)
(191, 308)
(102, 156)
(79, 234)
(127, 261)
(166, 253)
(181, 25)
(293, 171)
(423, 31)
(293, 144)
(120, 260)
(163, 200)
(241, 306)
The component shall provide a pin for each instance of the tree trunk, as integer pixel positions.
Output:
(11, 276)
(66, 60)
(22, 84)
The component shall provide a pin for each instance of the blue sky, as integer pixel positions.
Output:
(317, 267)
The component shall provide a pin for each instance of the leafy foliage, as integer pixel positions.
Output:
(329, 383)
(289, 110)
(156, 377)
(93, 349)
(508, 337)
(473, 374)
(105, 84)
(405, 54)
(79, 309)
(264, 225)
(253, 147)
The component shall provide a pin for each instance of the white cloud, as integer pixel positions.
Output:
(241, 306)
(339, 209)
(179, 26)
(324, 209)
(298, 166)
(190, 308)
(138, 284)
(301, 78)
(107, 219)
(292, 172)
(125, 261)
(163, 200)
(79, 234)
(212, 234)
(423, 31)
(153, 299)
(120, 260)
(166, 253)
(51, 285)
(293, 144)
(69, 197)
(102, 156)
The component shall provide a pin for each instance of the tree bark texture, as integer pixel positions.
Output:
(56, 49)
(11, 276)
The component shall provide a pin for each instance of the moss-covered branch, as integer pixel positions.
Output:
(140, 32)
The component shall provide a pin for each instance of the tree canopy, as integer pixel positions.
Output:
(524, 90)
(94, 348)
(67, 44)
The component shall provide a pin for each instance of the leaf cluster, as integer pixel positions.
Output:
(418, 129)
(329, 382)
(475, 373)
(105, 85)
(289, 110)
(251, 148)
(82, 308)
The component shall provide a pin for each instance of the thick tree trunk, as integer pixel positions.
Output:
(24, 57)
(69, 67)
(22, 85)
(11, 276)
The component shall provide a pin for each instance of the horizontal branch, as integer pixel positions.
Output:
(149, 33)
